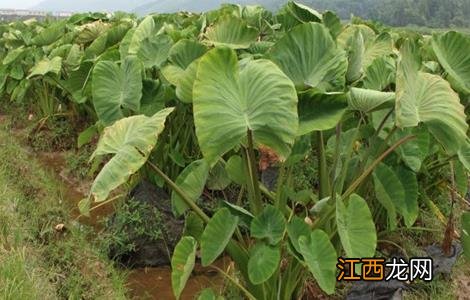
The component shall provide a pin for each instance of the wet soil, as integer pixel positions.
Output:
(143, 283)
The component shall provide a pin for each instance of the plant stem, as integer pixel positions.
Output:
(235, 282)
(256, 204)
(371, 168)
(324, 187)
(180, 193)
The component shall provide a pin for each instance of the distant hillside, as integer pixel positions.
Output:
(89, 5)
(170, 6)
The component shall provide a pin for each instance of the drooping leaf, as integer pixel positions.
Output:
(320, 111)
(232, 32)
(244, 215)
(369, 100)
(356, 51)
(13, 55)
(184, 52)
(182, 264)
(264, 261)
(448, 49)
(414, 152)
(333, 23)
(410, 185)
(229, 101)
(310, 57)
(390, 192)
(49, 34)
(47, 66)
(116, 88)
(303, 13)
(427, 98)
(464, 155)
(130, 140)
(144, 30)
(380, 74)
(218, 179)
(193, 226)
(235, 169)
(192, 181)
(295, 229)
(356, 227)
(321, 258)
(154, 50)
(269, 225)
(217, 235)
(185, 82)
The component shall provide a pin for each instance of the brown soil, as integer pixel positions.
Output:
(144, 283)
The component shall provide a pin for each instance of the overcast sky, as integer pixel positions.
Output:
(18, 4)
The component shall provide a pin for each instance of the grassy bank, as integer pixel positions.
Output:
(38, 261)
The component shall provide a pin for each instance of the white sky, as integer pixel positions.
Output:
(18, 4)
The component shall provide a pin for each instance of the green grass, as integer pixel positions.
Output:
(36, 261)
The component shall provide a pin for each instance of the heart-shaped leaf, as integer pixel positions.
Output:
(269, 225)
(320, 257)
(427, 98)
(264, 261)
(217, 235)
(356, 227)
(310, 57)
(230, 100)
(116, 88)
(192, 181)
(390, 192)
(182, 264)
(320, 111)
(448, 49)
(130, 140)
(232, 32)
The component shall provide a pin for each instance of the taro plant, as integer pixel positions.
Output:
(201, 102)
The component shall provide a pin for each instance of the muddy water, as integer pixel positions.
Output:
(144, 283)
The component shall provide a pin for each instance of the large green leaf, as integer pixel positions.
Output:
(427, 98)
(217, 235)
(154, 50)
(116, 88)
(184, 52)
(49, 34)
(229, 101)
(320, 111)
(390, 192)
(356, 56)
(310, 57)
(269, 225)
(295, 229)
(356, 227)
(448, 48)
(13, 55)
(235, 169)
(413, 152)
(466, 234)
(464, 155)
(410, 186)
(130, 140)
(47, 66)
(144, 30)
(192, 181)
(303, 13)
(380, 74)
(369, 100)
(182, 264)
(232, 32)
(321, 258)
(264, 261)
